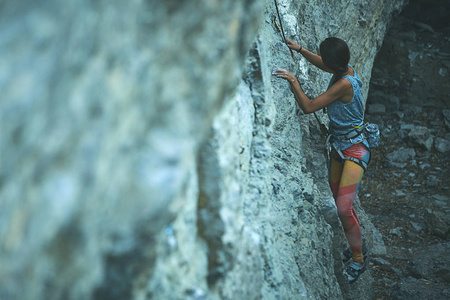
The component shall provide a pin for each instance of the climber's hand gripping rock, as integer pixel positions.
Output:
(293, 45)
(284, 74)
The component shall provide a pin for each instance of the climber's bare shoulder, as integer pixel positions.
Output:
(338, 91)
(345, 87)
(341, 90)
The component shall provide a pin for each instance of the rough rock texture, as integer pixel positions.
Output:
(104, 106)
(141, 158)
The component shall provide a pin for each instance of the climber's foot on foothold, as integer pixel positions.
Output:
(354, 270)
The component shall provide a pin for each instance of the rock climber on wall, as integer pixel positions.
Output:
(350, 151)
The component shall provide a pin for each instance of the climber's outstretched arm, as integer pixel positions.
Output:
(338, 90)
(311, 57)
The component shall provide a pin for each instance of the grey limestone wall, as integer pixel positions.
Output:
(147, 153)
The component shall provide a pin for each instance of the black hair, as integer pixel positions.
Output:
(335, 55)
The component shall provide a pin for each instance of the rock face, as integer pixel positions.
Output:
(146, 153)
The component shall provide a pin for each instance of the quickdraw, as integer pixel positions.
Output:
(281, 31)
(274, 21)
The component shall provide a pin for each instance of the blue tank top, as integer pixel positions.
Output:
(345, 116)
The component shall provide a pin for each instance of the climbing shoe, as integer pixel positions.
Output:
(348, 253)
(355, 269)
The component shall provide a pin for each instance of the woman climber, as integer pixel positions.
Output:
(350, 150)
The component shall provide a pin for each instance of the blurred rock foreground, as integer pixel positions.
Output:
(147, 153)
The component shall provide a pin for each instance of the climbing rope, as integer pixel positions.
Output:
(281, 26)
(323, 127)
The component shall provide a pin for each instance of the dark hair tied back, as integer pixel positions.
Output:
(335, 55)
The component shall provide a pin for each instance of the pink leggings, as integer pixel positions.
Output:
(344, 178)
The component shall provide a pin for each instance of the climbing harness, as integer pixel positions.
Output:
(281, 26)
(356, 132)
(356, 160)
(369, 131)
